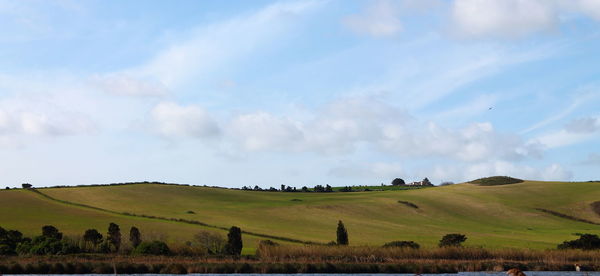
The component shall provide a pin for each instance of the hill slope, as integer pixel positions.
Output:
(491, 216)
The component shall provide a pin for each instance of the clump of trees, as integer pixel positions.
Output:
(49, 243)
(402, 244)
(9, 240)
(452, 240)
(585, 242)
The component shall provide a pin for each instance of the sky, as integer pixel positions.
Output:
(298, 92)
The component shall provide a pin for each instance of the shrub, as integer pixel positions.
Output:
(585, 242)
(267, 243)
(43, 245)
(409, 204)
(403, 244)
(452, 240)
(152, 248)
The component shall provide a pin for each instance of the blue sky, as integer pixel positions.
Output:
(234, 93)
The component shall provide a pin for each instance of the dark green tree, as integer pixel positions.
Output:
(426, 182)
(50, 231)
(234, 241)
(135, 237)
(452, 240)
(114, 236)
(398, 182)
(342, 234)
(328, 189)
(92, 236)
(9, 239)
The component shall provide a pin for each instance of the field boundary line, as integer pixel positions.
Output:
(186, 221)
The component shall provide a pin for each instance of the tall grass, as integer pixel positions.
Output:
(366, 254)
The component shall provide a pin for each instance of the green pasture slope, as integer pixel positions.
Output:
(491, 216)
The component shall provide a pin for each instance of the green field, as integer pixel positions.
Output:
(491, 216)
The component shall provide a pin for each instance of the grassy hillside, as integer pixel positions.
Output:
(27, 212)
(491, 216)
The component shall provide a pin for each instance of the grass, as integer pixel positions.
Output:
(502, 216)
(27, 212)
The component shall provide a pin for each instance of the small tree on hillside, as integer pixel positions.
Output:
(342, 234)
(452, 240)
(234, 241)
(114, 236)
(50, 231)
(398, 182)
(135, 237)
(92, 236)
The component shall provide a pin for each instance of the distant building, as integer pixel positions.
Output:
(424, 182)
(26, 186)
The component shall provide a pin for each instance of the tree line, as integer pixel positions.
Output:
(52, 242)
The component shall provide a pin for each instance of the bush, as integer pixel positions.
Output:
(585, 242)
(152, 248)
(403, 244)
(452, 240)
(43, 245)
(211, 242)
(496, 180)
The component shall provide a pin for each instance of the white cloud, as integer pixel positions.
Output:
(121, 84)
(476, 142)
(343, 125)
(379, 170)
(467, 172)
(592, 159)
(576, 131)
(173, 120)
(589, 7)
(261, 131)
(379, 19)
(16, 124)
(219, 45)
(583, 125)
(503, 18)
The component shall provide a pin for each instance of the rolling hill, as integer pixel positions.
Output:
(531, 214)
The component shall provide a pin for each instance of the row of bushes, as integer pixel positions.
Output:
(51, 242)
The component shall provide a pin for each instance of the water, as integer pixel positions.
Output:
(483, 273)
